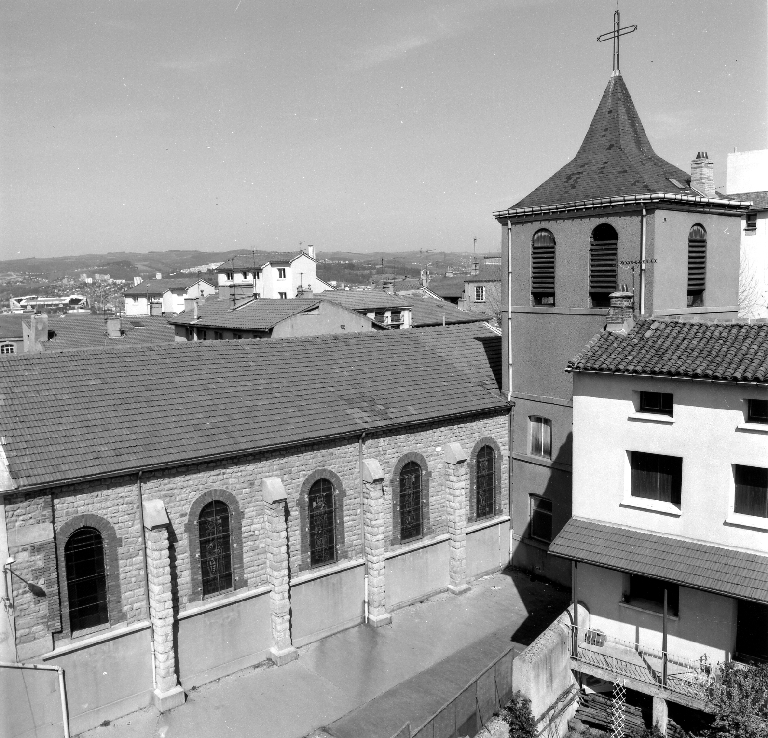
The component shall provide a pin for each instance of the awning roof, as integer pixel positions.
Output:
(712, 568)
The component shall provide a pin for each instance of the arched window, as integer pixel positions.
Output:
(697, 265)
(7, 348)
(215, 548)
(322, 529)
(485, 483)
(543, 268)
(86, 579)
(603, 264)
(410, 501)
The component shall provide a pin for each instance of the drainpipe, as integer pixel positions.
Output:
(574, 583)
(510, 431)
(62, 693)
(509, 306)
(362, 522)
(664, 642)
(643, 227)
(146, 578)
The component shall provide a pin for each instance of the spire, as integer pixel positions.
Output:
(615, 158)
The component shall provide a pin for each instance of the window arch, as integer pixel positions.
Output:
(697, 265)
(322, 522)
(86, 576)
(543, 268)
(485, 482)
(215, 547)
(603, 264)
(411, 522)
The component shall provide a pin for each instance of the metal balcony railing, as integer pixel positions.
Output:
(679, 674)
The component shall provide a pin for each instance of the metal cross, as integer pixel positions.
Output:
(615, 34)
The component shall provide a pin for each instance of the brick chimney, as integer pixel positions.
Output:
(621, 317)
(114, 328)
(703, 174)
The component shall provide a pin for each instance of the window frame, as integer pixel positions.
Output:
(537, 505)
(395, 486)
(99, 578)
(282, 295)
(742, 487)
(750, 221)
(696, 267)
(643, 584)
(639, 458)
(479, 293)
(224, 535)
(339, 496)
(664, 406)
(752, 416)
(281, 272)
(546, 437)
(318, 483)
(481, 483)
(7, 348)
(543, 268)
(599, 293)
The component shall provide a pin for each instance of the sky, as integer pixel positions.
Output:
(362, 126)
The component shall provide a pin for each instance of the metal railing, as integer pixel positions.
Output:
(679, 674)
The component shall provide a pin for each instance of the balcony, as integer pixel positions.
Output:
(647, 670)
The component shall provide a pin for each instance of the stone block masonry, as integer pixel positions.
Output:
(456, 499)
(374, 513)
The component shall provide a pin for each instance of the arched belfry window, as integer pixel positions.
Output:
(485, 484)
(215, 548)
(410, 501)
(697, 265)
(603, 264)
(322, 528)
(543, 268)
(86, 579)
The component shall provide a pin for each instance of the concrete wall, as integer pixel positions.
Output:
(136, 305)
(31, 704)
(487, 548)
(418, 574)
(754, 274)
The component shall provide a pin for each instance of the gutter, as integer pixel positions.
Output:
(570, 370)
(353, 434)
(659, 197)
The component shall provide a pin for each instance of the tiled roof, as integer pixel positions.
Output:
(74, 332)
(10, 325)
(365, 299)
(759, 200)
(615, 158)
(159, 286)
(486, 274)
(79, 414)
(247, 261)
(261, 314)
(713, 568)
(448, 286)
(733, 352)
(427, 311)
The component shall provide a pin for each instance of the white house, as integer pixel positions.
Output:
(669, 533)
(164, 296)
(274, 276)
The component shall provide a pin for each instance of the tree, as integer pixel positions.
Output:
(739, 697)
(517, 714)
(752, 299)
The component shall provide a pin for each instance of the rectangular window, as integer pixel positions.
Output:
(202, 335)
(479, 294)
(751, 223)
(380, 316)
(282, 295)
(656, 477)
(218, 336)
(757, 411)
(281, 273)
(656, 402)
(541, 437)
(751, 491)
(396, 317)
(541, 518)
(237, 336)
(7, 348)
(648, 593)
(245, 275)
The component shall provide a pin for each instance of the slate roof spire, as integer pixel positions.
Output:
(616, 158)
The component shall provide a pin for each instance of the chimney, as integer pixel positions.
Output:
(703, 174)
(190, 307)
(388, 285)
(136, 280)
(311, 251)
(38, 332)
(475, 268)
(114, 328)
(621, 316)
(158, 275)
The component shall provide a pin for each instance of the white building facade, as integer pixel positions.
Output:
(164, 296)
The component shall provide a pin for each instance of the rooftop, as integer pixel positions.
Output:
(83, 414)
(258, 314)
(427, 311)
(759, 200)
(731, 352)
(78, 331)
(159, 286)
(448, 287)
(366, 299)
(10, 325)
(616, 158)
(260, 259)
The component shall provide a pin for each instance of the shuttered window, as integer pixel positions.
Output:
(697, 265)
(603, 264)
(543, 268)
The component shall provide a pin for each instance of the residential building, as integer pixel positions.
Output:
(615, 213)
(450, 289)
(384, 308)
(669, 534)
(747, 179)
(212, 319)
(279, 276)
(11, 334)
(482, 291)
(164, 296)
(209, 505)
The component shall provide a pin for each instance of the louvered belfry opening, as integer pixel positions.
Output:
(543, 268)
(697, 265)
(603, 264)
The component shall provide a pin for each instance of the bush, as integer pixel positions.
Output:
(518, 716)
(739, 696)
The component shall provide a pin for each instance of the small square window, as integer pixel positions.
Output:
(544, 300)
(218, 336)
(281, 273)
(282, 295)
(479, 294)
(757, 411)
(751, 222)
(541, 518)
(656, 402)
(541, 437)
(751, 491)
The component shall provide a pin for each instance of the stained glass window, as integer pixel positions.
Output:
(86, 579)
(484, 482)
(322, 529)
(215, 548)
(410, 501)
